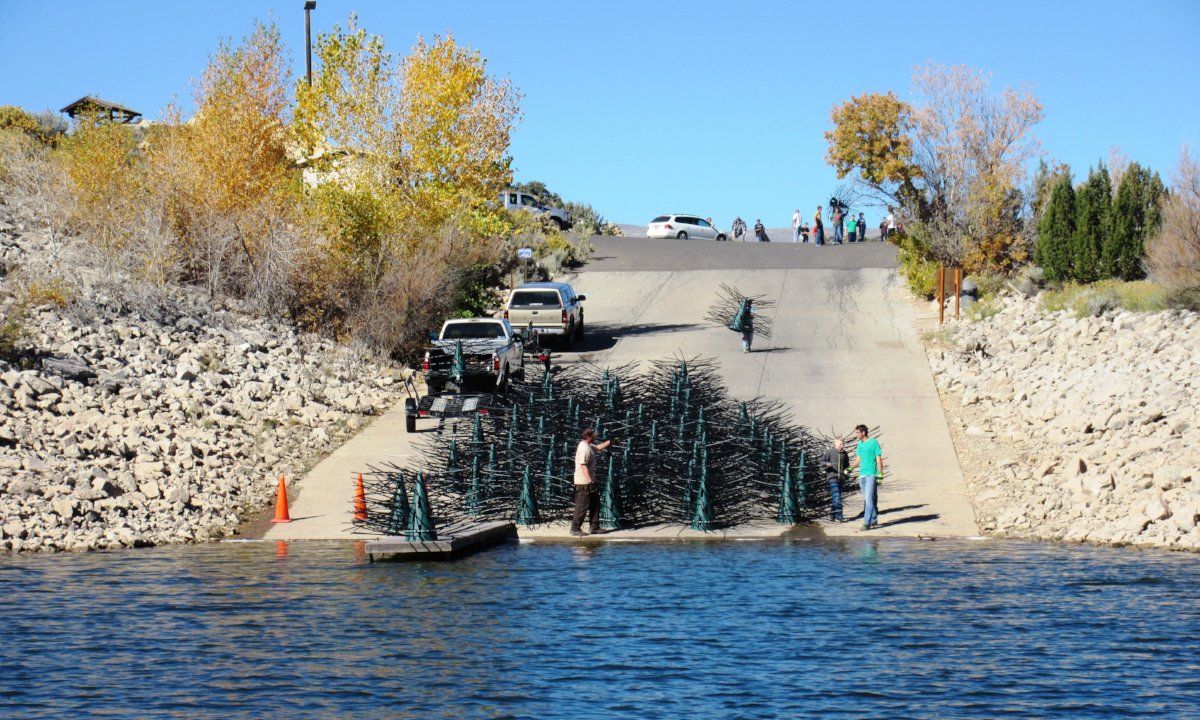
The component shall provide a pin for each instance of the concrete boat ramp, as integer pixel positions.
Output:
(845, 350)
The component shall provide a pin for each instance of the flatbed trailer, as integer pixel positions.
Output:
(455, 401)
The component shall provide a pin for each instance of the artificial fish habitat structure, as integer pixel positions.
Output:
(685, 454)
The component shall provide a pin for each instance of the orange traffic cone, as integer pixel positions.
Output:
(360, 501)
(281, 508)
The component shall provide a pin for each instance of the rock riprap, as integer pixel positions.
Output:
(1077, 429)
(170, 424)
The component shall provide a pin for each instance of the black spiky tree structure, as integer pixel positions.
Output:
(731, 301)
(686, 454)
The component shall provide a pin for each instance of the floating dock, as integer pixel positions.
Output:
(454, 542)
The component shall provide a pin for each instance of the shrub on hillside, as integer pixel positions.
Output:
(33, 183)
(1173, 252)
(917, 268)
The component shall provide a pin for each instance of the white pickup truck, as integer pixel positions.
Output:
(517, 200)
(492, 354)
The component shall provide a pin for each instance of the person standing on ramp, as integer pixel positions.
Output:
(870, 469)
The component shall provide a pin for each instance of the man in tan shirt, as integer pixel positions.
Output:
(587, 498)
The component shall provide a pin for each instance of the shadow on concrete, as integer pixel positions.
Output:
(901, 509)
(784, 348)
(911, 519)
(604, 337)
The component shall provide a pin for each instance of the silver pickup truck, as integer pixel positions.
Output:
(516, 200)
(551, 309)
(492, 354)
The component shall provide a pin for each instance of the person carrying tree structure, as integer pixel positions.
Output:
(743, 322)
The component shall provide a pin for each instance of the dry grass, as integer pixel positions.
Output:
(1106, 295)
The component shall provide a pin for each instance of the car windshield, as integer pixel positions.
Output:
(661, 218)
(535, 298)
(472, 331)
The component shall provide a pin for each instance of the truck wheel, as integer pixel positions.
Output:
(559, 224)
(410, 415)
(579, 330)
(569, 338)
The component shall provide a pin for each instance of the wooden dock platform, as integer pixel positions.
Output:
(454, 541)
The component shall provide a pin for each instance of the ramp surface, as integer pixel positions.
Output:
(844, 352)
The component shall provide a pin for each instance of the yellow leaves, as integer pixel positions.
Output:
(348, 107)
(237, 138)
(99, 158)
(455, 125)
(871, 134)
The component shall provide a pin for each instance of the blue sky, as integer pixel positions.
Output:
(641, 108)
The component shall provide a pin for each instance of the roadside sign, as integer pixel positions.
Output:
(525, 253)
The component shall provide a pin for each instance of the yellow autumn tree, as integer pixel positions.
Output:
(871, 135)
(100, 159)
(237, 138)
(406, 159)
(223, 179)
(455, 125)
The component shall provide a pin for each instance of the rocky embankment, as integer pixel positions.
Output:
(165, 421)
(1081, 430)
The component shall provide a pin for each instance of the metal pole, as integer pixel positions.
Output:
(957, 290)
(941, 293)
(308, 7)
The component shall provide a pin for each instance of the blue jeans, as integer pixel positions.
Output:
(835, 496)
(866, 483)
(837, 233)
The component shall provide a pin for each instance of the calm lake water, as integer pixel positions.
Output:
(831, 629)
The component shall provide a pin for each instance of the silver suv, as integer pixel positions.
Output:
(553, 309)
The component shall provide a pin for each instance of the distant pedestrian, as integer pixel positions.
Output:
(587, 496)
(760, 232)
(797, 221)
(883, 229)
(836, 464)
(870, 469)
(862, 228)
(851, 228)
(818, 228)
(837, 217)
(739, 229)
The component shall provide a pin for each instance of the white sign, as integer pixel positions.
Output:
(525, 253)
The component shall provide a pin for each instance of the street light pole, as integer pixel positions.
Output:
(309, 5)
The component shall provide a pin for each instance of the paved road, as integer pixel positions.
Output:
(844, 351)
(619, 254)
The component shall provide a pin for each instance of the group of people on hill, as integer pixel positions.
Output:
(845, 225)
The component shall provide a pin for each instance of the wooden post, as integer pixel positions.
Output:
(941, 293)
(957, 290)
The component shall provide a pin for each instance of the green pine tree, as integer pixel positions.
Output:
(1136, 214)
(1093, 207)
(1055, 230)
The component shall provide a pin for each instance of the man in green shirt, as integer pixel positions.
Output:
(870, 469)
